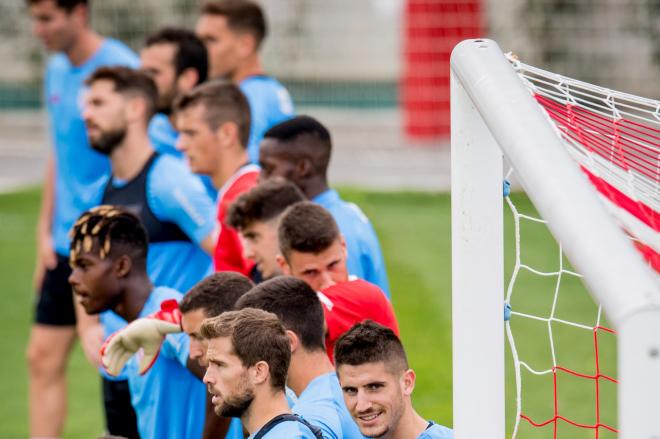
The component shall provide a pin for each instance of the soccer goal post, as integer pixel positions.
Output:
(494, 116)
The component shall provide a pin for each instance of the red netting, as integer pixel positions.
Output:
(627, 144)
(631, 146)
(596, 377)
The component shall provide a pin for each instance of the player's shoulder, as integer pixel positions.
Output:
(354, 287)
(243, 180)
(170, 179)
(269, 91)
(168, 172)
(436, 431)
(260, 82)
(160, 294)
(114, 52)
(57, 62)
(290, 430)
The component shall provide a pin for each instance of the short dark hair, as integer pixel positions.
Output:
(67, 5)
(369, 342)
(306, 227)
(304, 137)
(256, 335)
(263, 202)
(295, 303)
(190, 52)
(129, 82)
(222, 102)
(242, 16)
(216, 293)
(112, 231)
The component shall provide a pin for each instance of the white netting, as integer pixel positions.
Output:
(615, 138)
(573, 411)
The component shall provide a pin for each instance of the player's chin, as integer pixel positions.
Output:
(372, 425)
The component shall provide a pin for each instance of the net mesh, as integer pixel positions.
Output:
(552, 364)
(615, 138)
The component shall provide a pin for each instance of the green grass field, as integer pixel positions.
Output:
(414, 230)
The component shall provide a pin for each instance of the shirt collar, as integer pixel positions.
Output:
(326, 197)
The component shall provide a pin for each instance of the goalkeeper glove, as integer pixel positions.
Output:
(147, 333)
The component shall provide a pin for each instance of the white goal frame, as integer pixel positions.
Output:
(493, 115)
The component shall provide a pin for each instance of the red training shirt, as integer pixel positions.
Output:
(348, 303)
(228, 254)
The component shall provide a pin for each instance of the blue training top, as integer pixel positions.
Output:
(365, 259)
(163, 136)
(176, 200)
(77, 166)
(170, 402)
(436, 431)
(322, 404)
(175, 196)
(288, 430)
(270, 104)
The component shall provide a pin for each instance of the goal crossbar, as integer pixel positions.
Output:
(493, 116)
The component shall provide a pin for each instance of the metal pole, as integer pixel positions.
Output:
(615, 274)
(477, 273)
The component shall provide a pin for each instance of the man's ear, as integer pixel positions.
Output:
(294, 341)
(227, 134)
(246, 45)
(123, 265)
(259, 373)
(408, 382)
(136, 109)
(304, 168)
(284, 265)
(80, 13)
(187, 80)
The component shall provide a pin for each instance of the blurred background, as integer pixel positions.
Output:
(376, 71)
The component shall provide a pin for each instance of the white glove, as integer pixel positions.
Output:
(147, 333)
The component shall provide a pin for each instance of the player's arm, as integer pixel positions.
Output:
(184, 201)
(46, 259)
(208, 243)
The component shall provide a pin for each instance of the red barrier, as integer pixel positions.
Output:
(432, 29)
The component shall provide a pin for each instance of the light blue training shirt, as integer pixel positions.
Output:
(436, 431)
(322, 404)
(270, 104)
(170, 402)
(173, 195)
(77, 166)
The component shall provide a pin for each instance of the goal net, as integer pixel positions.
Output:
(589, 160)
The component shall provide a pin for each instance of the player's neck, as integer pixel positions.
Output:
(129, 158)
(305, 367)
(251, 67)
(136, 293)
(228, 165)
(264, 407)
(85, 46)
(410, 425)
(315, 186)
